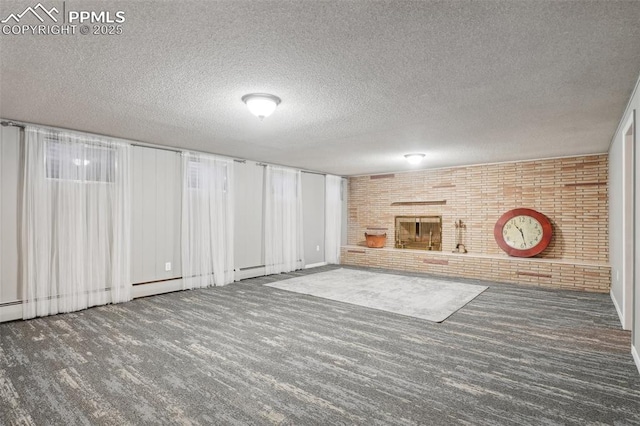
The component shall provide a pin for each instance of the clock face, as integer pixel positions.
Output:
(523, 232)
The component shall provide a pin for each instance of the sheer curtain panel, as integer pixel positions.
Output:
(207, 221)
(75, 222)
(283, 220)
(333, 218)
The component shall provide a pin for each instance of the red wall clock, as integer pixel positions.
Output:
(523, 232)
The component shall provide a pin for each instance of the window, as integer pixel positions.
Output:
(193, 173)
(79, 162)
(198, 170)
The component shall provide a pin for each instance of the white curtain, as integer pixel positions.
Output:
(207, 221)
(283, 220)
(333, 219)
(75, 222)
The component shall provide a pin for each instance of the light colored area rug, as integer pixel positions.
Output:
(427, 298)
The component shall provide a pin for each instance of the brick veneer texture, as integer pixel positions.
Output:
(571, 192)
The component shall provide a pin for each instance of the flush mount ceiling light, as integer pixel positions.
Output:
(414, 158)
(261, 104)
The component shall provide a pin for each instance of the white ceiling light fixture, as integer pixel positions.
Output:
(414, 158)
(261, 104)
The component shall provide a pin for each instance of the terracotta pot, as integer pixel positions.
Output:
(375, 241)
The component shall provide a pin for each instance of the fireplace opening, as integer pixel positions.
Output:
(419, 232)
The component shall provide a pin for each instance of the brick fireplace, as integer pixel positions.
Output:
(571, 191)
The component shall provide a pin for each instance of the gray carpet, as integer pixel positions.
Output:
(248, 354)
(427, 298)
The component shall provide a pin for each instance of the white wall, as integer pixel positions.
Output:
(155, 206)
(345, 213)
(248, 219)
(622, 168)
(10, 181)
(635, 339)
(313, 201)
(619, 206)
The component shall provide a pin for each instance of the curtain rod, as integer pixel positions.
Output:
(141, 144)
(168, 148)
(12, 124)
(302, 170)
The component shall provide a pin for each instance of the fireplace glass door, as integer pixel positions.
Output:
(419, 232)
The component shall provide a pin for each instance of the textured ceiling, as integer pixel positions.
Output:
(361, 82)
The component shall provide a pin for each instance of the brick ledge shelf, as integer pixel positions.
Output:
(566, 274)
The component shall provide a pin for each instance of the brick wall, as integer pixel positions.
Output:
(571, 192)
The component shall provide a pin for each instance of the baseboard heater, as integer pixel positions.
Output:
(248, 268)
(157, 281)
